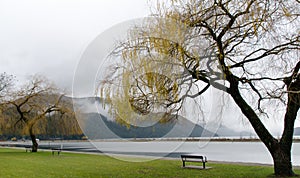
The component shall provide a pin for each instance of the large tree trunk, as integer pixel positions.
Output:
(282, 162)
(280, 150)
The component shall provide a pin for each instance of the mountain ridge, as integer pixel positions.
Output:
(97, 126)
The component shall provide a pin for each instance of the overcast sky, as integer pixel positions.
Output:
(48, 37)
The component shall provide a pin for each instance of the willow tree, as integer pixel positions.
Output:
(6, 81)
(28, 106)
(249, 50)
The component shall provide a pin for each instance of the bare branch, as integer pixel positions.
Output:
(267, 52)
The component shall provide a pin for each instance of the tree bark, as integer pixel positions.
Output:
(282, 161)
(35, 145)
(281, 153)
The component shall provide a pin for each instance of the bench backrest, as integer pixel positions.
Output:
(194, 157)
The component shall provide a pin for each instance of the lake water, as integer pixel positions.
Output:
(249, 152)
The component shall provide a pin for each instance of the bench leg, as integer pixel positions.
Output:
(183, 163)
(203, 165)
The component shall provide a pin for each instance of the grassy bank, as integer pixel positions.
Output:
(18, 163)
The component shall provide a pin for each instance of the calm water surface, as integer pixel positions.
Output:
(251, 152)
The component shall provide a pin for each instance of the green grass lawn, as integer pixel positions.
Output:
(17, 163)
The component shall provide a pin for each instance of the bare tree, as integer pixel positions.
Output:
(31, 104)
(247, 49)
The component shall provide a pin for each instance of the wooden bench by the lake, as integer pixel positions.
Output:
(57, 149)
(193, 158)
(28, 148)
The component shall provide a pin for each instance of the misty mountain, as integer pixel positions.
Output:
(97, 126)
(224, 131)
(106, 128)
(87, 104)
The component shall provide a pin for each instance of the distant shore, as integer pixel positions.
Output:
(189, 139)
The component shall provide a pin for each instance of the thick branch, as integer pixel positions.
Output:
(288, 80)
(292, 108)
(200, 92)
(256, 123)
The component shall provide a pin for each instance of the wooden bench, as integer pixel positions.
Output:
(57, 149)
(193, 158)
(28, 148)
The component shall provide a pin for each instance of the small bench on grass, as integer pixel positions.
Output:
(57, 149)
(28, 148)
(193, 158)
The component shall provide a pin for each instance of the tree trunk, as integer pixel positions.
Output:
(280, 151)
(33, 140)
(282, 162)
(34, 143)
